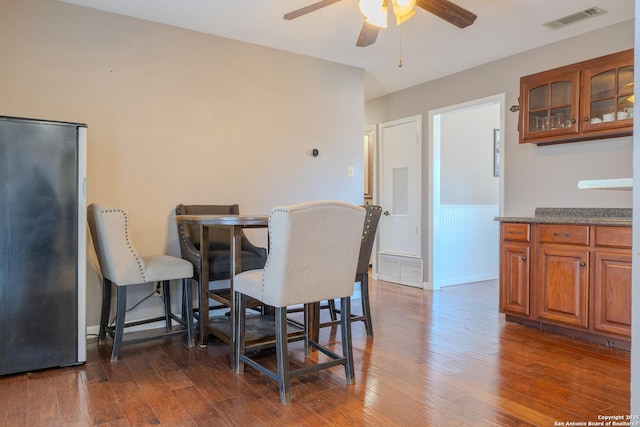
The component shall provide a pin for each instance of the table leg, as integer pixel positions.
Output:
(203, 308)
(312, 314)
(236, 267)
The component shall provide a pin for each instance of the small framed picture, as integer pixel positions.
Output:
(496, 152)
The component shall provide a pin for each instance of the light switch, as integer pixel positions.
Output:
(350, 171)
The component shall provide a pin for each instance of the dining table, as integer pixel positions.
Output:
(223, 327)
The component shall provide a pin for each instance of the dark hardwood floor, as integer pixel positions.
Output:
(443, 358)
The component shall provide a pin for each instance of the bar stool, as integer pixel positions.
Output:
(314, 248)
(362, 272)
(121, 265)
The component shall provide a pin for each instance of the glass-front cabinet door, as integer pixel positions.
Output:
(550, 104)
(608, 98)
(588, 100)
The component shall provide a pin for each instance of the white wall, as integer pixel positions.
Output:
(635, 296)
(176, 116)
(466, 156)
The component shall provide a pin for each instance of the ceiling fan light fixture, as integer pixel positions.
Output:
(403, 9)
(375, 12)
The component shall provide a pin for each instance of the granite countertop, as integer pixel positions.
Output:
(587, 216)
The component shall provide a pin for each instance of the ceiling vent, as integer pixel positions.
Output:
(575, 17)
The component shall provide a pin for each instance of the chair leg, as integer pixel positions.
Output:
(106, 310)
(183, 305)
(347, 347)
(196, 309)
(306, 311)
(121, 308)
(187, 310)
(332, 310)
(282, 356)
(166, 295)
(239, 332)
(366, 306)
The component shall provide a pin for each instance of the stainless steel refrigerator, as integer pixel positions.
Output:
(42, 244)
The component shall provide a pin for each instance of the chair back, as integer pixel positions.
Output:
(120, 261)
(313, 252)
(368, 236)
(218, 238)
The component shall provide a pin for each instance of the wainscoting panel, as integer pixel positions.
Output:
(468, 249)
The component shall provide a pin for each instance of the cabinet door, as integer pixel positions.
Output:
(563, 280)
(607, 93)
(514, 279)
(550, 102)
(612, 293)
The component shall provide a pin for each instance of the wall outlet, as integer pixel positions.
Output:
(158, 291)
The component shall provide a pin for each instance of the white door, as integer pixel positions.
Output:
(399, 256)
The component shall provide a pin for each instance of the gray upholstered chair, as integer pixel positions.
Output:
(362, 272)
(253, 257)
(313, 252)
(122, 265)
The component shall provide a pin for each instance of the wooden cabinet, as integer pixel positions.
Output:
(579, 278)
(515, 268)
(550, 105)
(612, 280)
(563, 265)
(588, 100)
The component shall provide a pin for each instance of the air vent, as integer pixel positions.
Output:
(575, 17)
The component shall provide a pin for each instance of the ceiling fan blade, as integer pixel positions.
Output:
(368, 35)
(448, 11)
(308, 9)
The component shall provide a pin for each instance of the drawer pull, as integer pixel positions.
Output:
(562, 234)
(515, 232)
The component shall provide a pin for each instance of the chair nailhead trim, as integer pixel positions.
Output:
(183, 237)
(128, 240)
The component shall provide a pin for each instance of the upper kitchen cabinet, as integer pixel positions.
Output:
(550, 103)
(588, 100)
(607, 101)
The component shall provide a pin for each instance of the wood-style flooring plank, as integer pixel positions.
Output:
(437, 358)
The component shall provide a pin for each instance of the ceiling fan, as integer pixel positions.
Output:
(375, 13)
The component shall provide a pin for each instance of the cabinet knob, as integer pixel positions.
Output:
(524, 258)
(573, 120)
(582, 264)
(586, 119)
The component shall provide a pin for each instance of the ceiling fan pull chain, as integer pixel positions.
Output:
(400, 49)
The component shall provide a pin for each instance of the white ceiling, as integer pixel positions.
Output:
(430, 47)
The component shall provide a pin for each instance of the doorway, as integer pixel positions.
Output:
(465, 192)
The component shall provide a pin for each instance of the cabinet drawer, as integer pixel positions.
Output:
(568, 234)
(518, 232)
(617, 237)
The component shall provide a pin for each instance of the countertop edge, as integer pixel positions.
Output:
(621, 222)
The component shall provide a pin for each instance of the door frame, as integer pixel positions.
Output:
(434, 141)
(372, 132)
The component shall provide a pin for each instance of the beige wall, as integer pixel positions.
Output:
(175, 116)
(533, 176)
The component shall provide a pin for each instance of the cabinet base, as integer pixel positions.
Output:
(608, 341)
